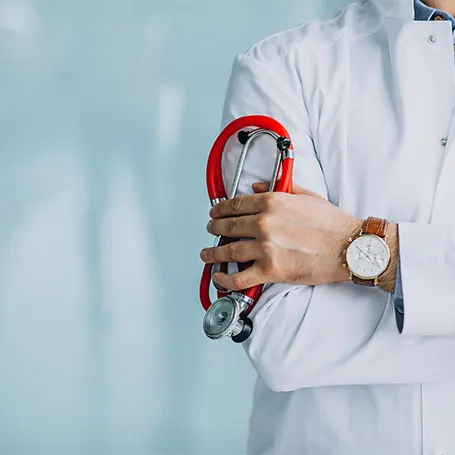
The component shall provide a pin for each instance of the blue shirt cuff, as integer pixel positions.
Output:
(398, 298)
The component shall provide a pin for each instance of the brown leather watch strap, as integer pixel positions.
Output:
(374, 226)
(358, 280)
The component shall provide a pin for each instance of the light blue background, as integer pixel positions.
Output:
(107, 111)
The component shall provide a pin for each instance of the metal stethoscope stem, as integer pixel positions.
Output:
(228, 315)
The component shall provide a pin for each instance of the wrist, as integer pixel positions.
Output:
(387, 279)
(351, 231)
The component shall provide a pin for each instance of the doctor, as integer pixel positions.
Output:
(355, 351)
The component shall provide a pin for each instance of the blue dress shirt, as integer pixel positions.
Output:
(422, 12)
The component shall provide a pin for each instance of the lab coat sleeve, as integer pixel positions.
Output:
(334, 334)
(427, 253)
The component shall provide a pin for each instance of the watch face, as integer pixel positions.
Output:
(368, 256)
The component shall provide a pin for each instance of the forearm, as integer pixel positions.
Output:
(335, 333)
(426, 255)
(338, 334)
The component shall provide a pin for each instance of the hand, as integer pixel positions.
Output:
(293, 238)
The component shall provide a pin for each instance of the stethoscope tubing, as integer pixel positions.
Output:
(257, 124)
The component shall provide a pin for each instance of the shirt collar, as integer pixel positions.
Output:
(424, 12)
(399, 9)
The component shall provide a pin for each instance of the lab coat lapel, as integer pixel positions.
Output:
(444, 200)
(423, 77)
(444, 81)
(423, 74)
(403, 9)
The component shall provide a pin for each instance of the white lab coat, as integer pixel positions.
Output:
(368, 97)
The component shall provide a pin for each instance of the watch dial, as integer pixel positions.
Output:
(367, 256)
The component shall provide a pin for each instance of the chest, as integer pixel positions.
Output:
(381, 108)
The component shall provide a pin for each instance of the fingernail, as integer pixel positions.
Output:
(204, 255)
(212, 211)
(208, 225)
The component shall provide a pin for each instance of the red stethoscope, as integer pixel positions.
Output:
(228, 315)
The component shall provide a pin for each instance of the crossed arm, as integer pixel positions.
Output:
(294, 238)
(311, 328)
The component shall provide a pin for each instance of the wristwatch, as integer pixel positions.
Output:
(368, 255)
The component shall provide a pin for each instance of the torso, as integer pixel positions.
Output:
(380, 144)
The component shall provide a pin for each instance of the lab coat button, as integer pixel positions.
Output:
(443, 141)
(432, 39)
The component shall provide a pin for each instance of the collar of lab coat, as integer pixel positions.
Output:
(402, 9)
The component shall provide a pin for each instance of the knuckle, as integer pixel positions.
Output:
(231, 224)
(268, 248)
(270, 267)
(273, 200)
(270, 260)
(238, 283)
(231, 251)
(263, 223)
(269, 200)
(236, 204)
(218, 255)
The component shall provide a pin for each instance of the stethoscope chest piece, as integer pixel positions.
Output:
(222, 319)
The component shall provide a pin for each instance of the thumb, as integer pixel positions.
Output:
(261, 187)
(296, 189)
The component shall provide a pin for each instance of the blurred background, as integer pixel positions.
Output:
(108, 109)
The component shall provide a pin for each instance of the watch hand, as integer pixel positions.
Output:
(366, 255)
(377, 261)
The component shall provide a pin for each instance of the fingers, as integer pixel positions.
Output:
(296, 189)
(241, 251)
(250, 277)
(241, 205)
(261, 187)
(243, 226)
